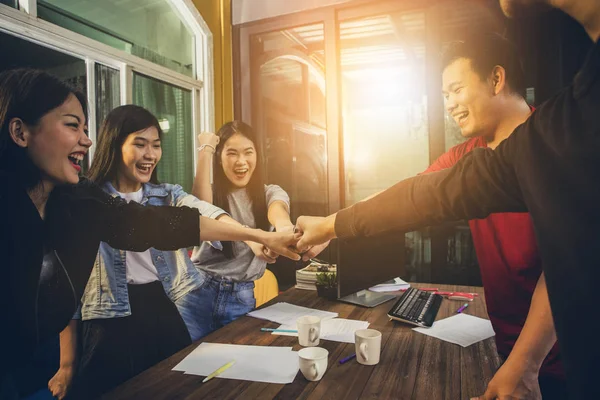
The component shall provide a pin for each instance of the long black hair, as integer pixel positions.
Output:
(28, 94)
(256, 185)
(119, 123)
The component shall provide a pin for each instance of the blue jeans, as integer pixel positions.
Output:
(215, 304)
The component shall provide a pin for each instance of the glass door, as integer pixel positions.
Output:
(289, 110)
(349, 101)
(384, 102)
(289, 115)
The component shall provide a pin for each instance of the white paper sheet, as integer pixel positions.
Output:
(287, 314)
(461, 329)
(390, 286)
(252, 363)
(336, 329)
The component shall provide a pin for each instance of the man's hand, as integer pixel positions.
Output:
(314, 251)
(262, 252)
(61, 382)
(311, 251)
(513, 381)
(315, 231)
(208, 139)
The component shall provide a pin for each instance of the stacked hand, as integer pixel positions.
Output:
(274, 244)
(316, 233)
(308, 238)
(264, 253)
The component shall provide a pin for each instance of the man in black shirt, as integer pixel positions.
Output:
(550, 166)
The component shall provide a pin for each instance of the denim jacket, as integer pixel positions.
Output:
(106, 294)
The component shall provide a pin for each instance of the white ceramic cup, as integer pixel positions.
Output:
(309, 329)
(313, 362)
(368, 346)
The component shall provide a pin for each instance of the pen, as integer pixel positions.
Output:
(461, 309)
(278, 330)
(445, 293)
(217, 372)
(346, 359)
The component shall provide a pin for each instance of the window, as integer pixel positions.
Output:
(107, 92)
(149, 29)
(10, 3)
(292, 115)
(156, 53)
(25, 54)
(384, 102)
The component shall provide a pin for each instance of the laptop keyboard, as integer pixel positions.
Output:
(417, 307)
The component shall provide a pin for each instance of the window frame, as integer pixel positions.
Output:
(24, 24)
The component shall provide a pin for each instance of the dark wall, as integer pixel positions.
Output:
(553, 47)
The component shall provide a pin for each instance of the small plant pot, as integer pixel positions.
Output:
(328, 292)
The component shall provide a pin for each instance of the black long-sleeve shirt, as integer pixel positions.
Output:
(35, 307)
(549, 166)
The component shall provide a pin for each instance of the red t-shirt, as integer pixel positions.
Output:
(510, 266)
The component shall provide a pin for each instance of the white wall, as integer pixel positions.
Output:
(253, 10)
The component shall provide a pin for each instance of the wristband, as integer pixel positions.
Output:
(207, 145)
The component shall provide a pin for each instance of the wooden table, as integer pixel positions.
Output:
(412, 365)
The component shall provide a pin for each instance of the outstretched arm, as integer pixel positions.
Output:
(482, 182)
(279, 216)
(259, 250)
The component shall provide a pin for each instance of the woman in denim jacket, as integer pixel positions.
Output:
(137, 308)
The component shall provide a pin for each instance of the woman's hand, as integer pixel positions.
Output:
(208, 139)
(60, 383)
(262, 252)
(282, 243)
(314, 251)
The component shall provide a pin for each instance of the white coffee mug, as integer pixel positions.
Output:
(313, 362)
(368, 346)
(309, 329)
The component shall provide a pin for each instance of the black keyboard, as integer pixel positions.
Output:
(416, 307)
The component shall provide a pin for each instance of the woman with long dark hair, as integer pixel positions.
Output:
(52, 223)
(239, 189)
(137, 308)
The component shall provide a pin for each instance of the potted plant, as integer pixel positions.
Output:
(327, 285)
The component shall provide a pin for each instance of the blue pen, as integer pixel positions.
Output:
(461, 309)
(278, 330)
(346, 359)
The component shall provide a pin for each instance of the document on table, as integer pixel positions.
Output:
(336, 329)
(287, 314)
(252, 363)
(462, 329)
(390, 286)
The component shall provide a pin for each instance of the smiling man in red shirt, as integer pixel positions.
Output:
(482, 87)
